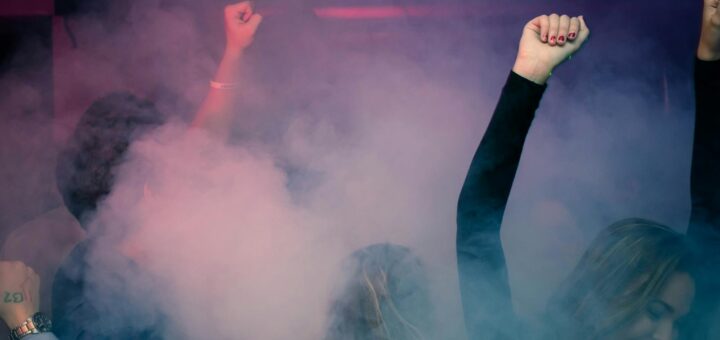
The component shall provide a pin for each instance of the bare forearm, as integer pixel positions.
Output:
(216, 112)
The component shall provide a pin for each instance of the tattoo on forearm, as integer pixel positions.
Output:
(14, 297)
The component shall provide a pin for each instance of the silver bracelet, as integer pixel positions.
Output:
(223, 86)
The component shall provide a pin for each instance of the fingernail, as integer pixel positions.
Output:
(561, 38)
(571, 35)
(552, 38)
(544, 37)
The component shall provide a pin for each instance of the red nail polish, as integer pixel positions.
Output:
(561, 38)
(571, 35)
(552, 38)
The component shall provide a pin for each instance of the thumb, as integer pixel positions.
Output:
(535, 25)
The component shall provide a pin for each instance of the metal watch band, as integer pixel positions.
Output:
(36, 324)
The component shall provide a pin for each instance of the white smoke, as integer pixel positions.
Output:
(347, 143)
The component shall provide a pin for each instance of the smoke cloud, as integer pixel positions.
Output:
(357, 133)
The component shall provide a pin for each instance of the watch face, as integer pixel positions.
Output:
(42, 322)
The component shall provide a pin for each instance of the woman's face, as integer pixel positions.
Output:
(658, 321)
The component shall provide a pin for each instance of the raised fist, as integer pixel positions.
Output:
(547, 41)
(20, 289)
(709, 48)
(241, 23)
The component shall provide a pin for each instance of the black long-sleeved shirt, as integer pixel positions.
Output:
(481, 262)
(484, 283)
(704, 228)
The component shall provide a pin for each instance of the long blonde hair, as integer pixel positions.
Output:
(625, 267)
(385, 298)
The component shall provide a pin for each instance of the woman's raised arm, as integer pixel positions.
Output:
(704, 229)
(546, 42)
(216, 112)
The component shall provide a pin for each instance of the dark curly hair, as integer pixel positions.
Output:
(85, 166)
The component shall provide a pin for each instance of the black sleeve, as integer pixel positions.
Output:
(481, 263)
(705, 180)
(92, 301)
(704, 229)
(69, 309)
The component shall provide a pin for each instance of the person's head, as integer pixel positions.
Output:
(385, 297)
(633, 282)
(86, 165)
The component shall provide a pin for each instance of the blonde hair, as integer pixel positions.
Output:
(385, 297)
(624, 268)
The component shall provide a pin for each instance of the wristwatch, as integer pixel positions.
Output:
(36, 324)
